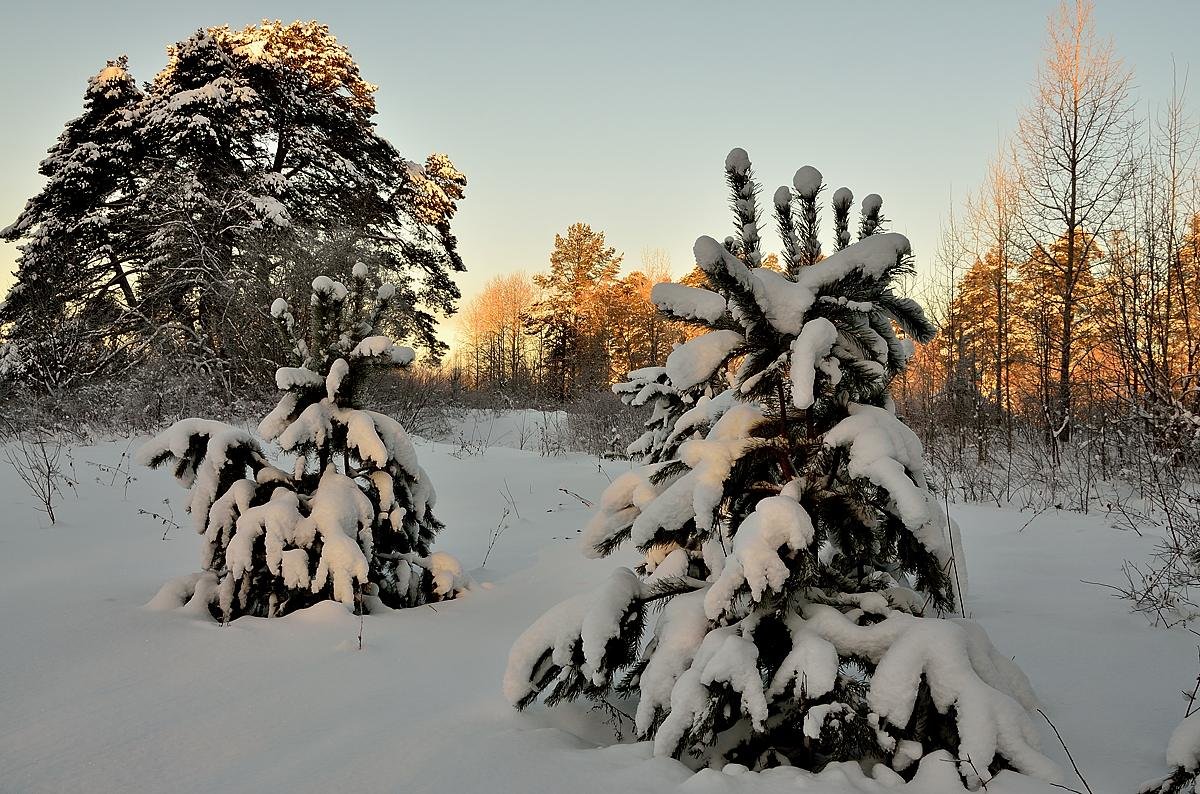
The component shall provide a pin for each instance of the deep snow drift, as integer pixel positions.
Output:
(100, 693)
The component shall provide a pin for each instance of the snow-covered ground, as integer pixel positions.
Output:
(99, 693)
(525, 428)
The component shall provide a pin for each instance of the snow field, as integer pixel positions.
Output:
(100, 693)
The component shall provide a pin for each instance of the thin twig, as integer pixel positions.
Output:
(1195, 689)
(982, 783)
(586, 503)
(1070, 758)
(1033, 518)
(511, 501)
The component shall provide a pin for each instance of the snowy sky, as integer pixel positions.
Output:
(621, 113)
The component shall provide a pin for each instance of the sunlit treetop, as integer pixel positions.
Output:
(308, 47)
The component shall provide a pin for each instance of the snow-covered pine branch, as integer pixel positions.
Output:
(872, 219)
(652, 386)
(351, 520)
(843, 197)
(809, 577)
(692, 372)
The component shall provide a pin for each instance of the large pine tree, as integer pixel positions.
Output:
(571, 317)
(251, 165)
(351, 520)
(72, 273)
(275, 156)
(198, 207)
(808, 580)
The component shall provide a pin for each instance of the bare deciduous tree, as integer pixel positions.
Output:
(1075, 155)
(494, 346)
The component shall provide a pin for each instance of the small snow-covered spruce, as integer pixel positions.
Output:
(351, 520)
(807, 579)
(1183, 753)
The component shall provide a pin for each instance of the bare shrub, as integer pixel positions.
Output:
(1137, 463)
(140, 402)
(602, 425)
(35, 457)
(553, 434)
(1162, 496)
(423, 400)
(475, 436)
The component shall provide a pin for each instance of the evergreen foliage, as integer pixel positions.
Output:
(668, 405)
(353, 518)
(806, 579)
(570, 317)
(170, 218)
(73, 275)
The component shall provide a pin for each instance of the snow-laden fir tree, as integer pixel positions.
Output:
(274, 158)
(171, 216)
(73, 272)
(352, 520)
(805, 586)
(70, 249)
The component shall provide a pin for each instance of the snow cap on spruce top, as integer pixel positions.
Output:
(111, 72)
(324, 285)
(782, 197)
(807, 182)
(737, 161)
(109, 80)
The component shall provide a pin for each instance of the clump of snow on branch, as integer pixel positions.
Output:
(689, 303)
(696, 360)
(810, 350)
(777, 522)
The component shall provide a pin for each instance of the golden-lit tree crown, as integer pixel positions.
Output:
(308, 47)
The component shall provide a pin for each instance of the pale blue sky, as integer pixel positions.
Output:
(620, 113)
